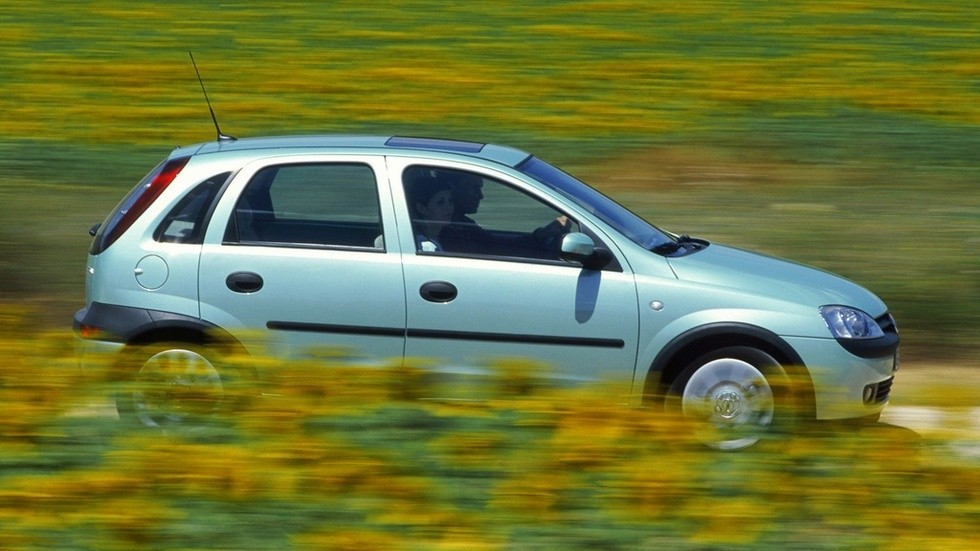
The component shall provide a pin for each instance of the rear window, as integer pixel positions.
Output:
(136, 202)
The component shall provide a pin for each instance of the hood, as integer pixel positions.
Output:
(774, 278)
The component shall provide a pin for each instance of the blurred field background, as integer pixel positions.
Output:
(842, 134)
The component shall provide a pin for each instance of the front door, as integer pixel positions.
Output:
(492, 288)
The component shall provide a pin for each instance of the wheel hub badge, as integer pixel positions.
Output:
(728, 404)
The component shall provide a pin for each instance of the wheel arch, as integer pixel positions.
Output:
(690, 345)
(140, 326)
(216, 344)
(187, 330)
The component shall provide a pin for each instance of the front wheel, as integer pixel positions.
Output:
(175, 384)
(733, 397)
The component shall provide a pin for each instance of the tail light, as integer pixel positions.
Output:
(136, 203)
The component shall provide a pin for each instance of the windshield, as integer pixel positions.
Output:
(632, 226)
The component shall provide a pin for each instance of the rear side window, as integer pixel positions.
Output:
(316, 204)
(186, 222)
(136, 202)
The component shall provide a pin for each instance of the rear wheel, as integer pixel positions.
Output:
(734, 397)
(175, 384)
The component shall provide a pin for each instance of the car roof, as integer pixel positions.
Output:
(505, 155)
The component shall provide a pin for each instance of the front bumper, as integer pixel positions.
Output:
(846, 386)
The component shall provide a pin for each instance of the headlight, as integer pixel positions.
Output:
(850, 323)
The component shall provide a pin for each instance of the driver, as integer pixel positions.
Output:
(465, 235)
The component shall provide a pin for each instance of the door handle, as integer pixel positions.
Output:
(244, 282)
(438, 291)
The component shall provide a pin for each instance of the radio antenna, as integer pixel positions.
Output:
(221, 136)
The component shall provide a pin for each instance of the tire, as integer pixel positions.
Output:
(733, 397)
(172, 384)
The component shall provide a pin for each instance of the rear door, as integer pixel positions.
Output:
(301, 256)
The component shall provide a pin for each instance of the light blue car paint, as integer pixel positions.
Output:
(627, 320)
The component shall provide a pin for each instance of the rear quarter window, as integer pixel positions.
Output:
(187, 220)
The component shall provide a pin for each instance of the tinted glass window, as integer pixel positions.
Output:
(632, 226)
(310, 204)
(185, 222)
(486, 217)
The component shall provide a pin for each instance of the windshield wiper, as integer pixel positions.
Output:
(666, 248)
(686, 242)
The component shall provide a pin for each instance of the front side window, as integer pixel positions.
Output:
(315, 204)
(460, 212)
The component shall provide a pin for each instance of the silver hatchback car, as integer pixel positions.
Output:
(462, 253)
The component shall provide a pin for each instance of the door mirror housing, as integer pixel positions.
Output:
(579, 247)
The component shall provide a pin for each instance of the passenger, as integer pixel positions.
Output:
(432, 210)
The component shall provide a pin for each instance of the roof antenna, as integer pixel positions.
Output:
(221, 137)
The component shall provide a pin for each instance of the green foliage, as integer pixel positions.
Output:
(581, 69)
(357, 460)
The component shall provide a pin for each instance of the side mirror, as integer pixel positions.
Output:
(578, 247)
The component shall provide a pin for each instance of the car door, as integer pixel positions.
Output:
(298, 258)
(500, 292)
